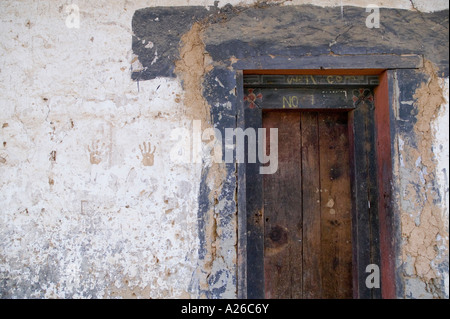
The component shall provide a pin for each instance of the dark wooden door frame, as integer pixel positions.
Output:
(375, 231)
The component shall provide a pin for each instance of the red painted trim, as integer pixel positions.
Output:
(384, 167)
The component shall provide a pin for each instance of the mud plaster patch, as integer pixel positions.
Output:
(191, 68)
(425, 234)
(127, 292)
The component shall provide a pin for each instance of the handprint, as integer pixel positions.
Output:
(96, 151)
(147, 154)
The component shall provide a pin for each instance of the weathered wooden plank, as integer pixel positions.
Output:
(373, 211)
(309, 80)
(361, 197)
(254, 213)
(303, 98)
(366, 195)
(282, 210)
(335, 206)
(242, 200)
(290, 72)
(353, 186)
(312, 267)
(324, 62)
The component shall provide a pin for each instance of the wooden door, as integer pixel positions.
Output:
(307, 207)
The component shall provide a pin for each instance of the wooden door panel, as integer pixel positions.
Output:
(282, 210)
(336, 206)
(312, 271)
(307, 207)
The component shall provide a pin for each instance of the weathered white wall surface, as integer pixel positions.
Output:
(441, 149)
(85, 213)
(86, 209)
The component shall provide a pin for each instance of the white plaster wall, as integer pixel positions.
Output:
(69, 226)
(81, 215)
(441, 149)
